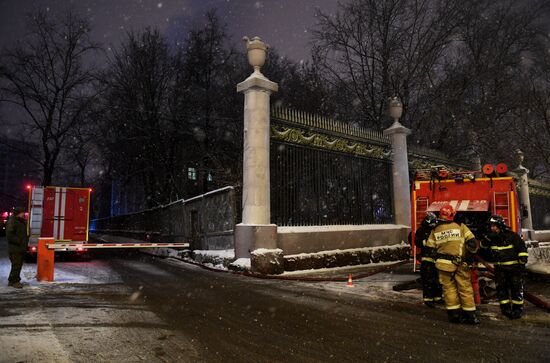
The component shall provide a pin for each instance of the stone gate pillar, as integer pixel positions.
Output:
(400, 166)
(256, 230)
(525, 202)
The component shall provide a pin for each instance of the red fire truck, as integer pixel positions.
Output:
(475, 195)
(61, 213)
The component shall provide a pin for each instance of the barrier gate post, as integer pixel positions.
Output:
(45, 260)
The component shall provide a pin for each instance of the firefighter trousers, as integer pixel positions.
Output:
(457, 288)
(509, 283)
(431, 289)
(16, 258)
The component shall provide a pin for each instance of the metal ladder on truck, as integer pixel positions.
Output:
(501, 205)
(421, 209)
(36, 214)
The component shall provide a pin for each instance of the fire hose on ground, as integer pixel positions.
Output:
(301, 278)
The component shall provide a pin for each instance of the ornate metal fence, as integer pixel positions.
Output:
(539, 196)
(324, 172)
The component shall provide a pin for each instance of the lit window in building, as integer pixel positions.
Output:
(192, 173)
(209, 177)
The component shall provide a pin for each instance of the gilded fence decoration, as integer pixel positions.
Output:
(539, 188)
(301, 137)
(327, 125)
(302, 128)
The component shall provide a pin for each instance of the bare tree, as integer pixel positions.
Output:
(45, 77)
(372, 50)
(207, 59)
(484, 78)
(135, 102)
(462, 69)
(528, 128)
(173, 109)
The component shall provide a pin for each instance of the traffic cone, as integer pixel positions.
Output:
(350, 281)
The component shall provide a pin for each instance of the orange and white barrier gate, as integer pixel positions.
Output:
(47, 247)
(76, 246)
(45, 260)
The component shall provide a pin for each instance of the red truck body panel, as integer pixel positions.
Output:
(475, 198)
(61, 213)
(65, 214)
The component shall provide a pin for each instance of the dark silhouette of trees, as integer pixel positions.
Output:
(45, 78)
(165, 121)
(206, 100)
(462, 69)
(176, 113)
(139, 138)
(371, 50)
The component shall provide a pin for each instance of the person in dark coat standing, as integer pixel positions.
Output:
(509, 255)
(18, 240)
(431, 288)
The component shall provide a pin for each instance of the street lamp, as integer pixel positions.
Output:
(395, 109)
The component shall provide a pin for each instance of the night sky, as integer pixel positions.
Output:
(284, 24)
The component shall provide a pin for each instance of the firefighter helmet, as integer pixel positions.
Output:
(430, 220)
(498, 221)
(447, 212)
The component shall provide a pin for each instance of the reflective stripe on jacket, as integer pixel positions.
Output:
(507, 248)
(448, 240)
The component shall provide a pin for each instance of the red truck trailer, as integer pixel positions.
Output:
(475, 195)
(61, 213)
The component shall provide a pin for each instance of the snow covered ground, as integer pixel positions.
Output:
(86, 315)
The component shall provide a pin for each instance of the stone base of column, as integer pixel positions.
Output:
(528, 234)
(249, 237)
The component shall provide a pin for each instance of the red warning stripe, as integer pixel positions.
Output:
(61, 246)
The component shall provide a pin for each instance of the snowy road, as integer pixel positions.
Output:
(135, 308)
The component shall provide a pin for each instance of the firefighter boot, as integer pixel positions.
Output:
(470, 317)
(506, 311)
(429, 303)
(17, 285)
(516, 312)
(454, 316)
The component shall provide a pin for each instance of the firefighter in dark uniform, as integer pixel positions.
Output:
(16, 233)
(454, 243)
(509, 255)
(431, 289)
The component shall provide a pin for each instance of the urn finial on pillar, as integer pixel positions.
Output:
(395, 109)
(257, 52)
(519, 157)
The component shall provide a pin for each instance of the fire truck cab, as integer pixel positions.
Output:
(475, 195)
(61, 213)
